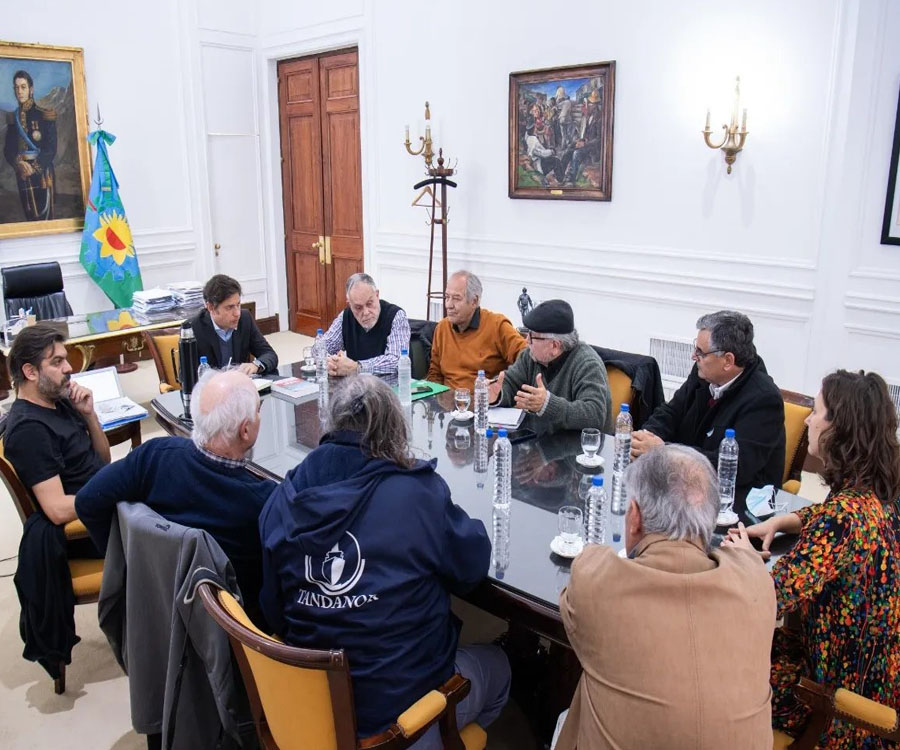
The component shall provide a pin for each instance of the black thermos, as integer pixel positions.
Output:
(188, 361)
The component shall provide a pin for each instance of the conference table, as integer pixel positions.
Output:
(525, 577)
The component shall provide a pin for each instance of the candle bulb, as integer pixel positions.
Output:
(744, 121)
(407, 132)
(707, 119)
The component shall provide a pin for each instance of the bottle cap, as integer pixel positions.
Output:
(203, 360)
(626, 407)
(501, 432)
(319, 331)
(488, 432)
(598, 481)
(729, 433)
(404, 352)
(481, 373)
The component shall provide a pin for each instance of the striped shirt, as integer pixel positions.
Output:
(383, 364)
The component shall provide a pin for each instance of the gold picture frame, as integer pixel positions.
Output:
(45, 172)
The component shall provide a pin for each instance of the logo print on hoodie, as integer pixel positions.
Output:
(340, 569)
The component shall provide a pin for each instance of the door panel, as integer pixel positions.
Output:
(301, 165)
(321, 180)
(339, 80)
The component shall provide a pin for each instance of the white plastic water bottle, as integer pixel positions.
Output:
(481, 401)
(202, 368)
(502, 470)
(500, 540)
(622, 459)
(404, 378)
(482, 443)
(321, 356)
(596, 513)
(728, 466)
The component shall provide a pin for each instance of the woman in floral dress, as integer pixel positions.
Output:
(842, 577)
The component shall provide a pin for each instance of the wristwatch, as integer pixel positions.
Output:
(260, 367)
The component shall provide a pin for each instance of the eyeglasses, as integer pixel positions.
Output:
(532, 337)
(700, 354)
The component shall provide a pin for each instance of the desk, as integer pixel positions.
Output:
(524, 586)
(101, 335)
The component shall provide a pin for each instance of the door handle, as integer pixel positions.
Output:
(327, 250)
(217, 247)
(320, 246)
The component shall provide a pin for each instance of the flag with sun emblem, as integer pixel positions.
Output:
(107, 250)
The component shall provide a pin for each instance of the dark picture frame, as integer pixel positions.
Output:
(561, 132)
(890, 228)
(49, 195)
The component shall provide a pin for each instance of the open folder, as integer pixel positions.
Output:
(110, 404)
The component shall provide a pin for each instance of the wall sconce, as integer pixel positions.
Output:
(733, 140)
(425, 144)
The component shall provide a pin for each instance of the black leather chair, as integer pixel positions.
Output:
(421, 335)
(38, 286)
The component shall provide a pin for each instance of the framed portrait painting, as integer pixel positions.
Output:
(45, 172)
(561, 132)
(890, 228)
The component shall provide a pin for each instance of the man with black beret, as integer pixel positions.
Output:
(558, 379)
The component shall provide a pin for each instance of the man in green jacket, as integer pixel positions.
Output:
(560, 381)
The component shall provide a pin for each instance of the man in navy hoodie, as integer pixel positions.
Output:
(362, 547)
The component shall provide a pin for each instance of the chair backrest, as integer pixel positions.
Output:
(797, 408)
(162, 343)
(19, 493)
(620, 390)
(38, 286)
(300, 698)
(421, 336)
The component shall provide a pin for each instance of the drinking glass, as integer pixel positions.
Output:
(462, 400)
(590, 442)
(571, 525)
(308, 358)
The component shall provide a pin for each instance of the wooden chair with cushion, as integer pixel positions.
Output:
(829, 704)
(303, 698)
(620, 390)
(797, 408)
(163, 346)
(87, 574)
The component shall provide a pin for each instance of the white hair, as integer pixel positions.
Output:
(677, 492)
(224, 419)
(473, 284)
(360, 278)
(568, 341)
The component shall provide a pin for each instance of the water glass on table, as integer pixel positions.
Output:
(571, 527)
(590, 443)
(309, 360)
(462, 399)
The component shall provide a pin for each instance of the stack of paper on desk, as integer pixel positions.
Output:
(504, 416)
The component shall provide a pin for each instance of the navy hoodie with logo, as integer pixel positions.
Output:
(362, 554)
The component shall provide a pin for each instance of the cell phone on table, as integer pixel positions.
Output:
(520, 435)
(420, 389)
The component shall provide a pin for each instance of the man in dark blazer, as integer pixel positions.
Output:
(728, 387)
(226, 334)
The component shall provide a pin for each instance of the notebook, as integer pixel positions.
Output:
(110, 404)
(505, 416)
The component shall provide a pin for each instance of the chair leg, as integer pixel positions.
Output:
(59, 684)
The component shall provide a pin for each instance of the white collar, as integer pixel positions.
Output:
(718, 390)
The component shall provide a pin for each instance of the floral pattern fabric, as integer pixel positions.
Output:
(842, 578)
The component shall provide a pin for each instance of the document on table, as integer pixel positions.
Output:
(505, 416)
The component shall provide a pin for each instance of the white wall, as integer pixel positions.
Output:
(791, 237)
(135, 71)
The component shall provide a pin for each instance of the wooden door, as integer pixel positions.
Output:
(319, 114)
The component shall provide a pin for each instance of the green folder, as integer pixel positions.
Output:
(433, 389)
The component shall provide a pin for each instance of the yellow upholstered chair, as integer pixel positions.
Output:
(87, 573)
(163, 346)
(620, 391)
(303, 698)
(797, 408)
(829, 704)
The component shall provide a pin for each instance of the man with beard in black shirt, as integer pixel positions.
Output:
(53, 438)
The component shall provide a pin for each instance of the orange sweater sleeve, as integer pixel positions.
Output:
(434, 366)
(512, 342)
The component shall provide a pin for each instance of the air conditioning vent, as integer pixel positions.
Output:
(675, 363)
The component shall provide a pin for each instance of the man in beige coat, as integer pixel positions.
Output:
(674, 641)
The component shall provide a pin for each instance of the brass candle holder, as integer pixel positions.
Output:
(733, 140)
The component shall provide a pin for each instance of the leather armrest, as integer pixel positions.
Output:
(422, 713)
(76, 530)
(166, 388)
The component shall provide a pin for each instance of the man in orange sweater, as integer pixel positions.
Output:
(470, 338)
